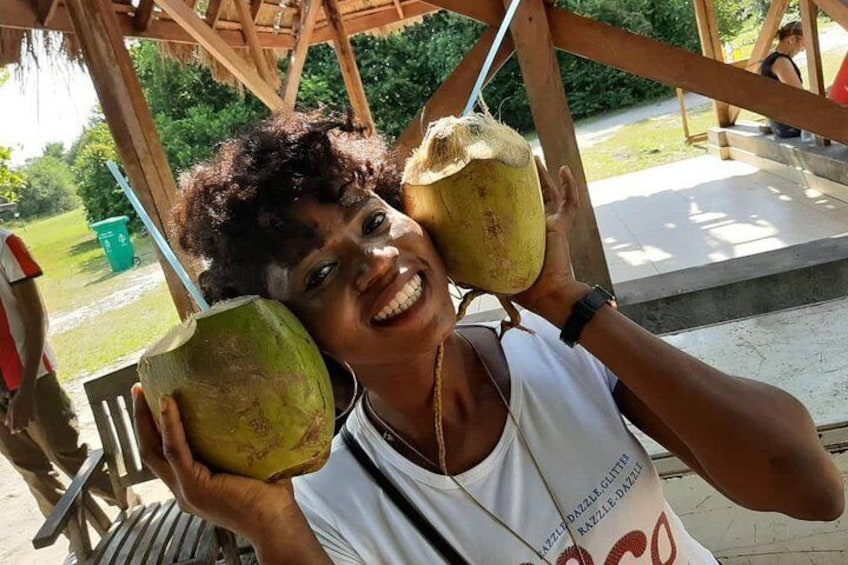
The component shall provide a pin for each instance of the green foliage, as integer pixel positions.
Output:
(55, 149)
(48, 188)
(100, 194)
(193, 112)
(10, 180)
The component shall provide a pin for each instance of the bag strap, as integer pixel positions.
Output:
(424, 527)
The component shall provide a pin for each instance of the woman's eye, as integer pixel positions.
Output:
(319, 275)
(373, 223)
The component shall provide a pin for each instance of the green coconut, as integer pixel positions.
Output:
(473, 185)
(253, 390)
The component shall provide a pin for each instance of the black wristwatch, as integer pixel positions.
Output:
(582, 312)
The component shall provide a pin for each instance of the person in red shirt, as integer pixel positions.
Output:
(38, 424)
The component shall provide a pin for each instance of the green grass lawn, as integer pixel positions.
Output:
(77, 276)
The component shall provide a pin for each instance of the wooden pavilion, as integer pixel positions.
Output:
(244, 38)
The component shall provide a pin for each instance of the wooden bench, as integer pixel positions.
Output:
(145, 534)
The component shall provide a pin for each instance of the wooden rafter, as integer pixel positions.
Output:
(399, 8)
(347, 61)
(555, 128)
(763, 45)
(297, 56)
(836, 9)
(129, 119)
(143, 14)
(21, 14)
(248, 29)
(213, 12)
(46, 9)
(188, 19)
(255, 6)
(450, 98)
(705, 16)
(674, 66)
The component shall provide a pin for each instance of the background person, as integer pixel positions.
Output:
(780, 66)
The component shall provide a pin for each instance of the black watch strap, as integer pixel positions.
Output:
(582, 312)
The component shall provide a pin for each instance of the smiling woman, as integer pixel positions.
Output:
(463, 447)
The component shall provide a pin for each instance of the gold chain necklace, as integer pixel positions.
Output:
(389, 433)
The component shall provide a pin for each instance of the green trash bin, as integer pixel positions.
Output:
(115, 240)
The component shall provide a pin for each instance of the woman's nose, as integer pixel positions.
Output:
(377, 261)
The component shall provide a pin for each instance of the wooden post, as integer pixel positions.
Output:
(297, 56)
(764, 41)
(555, 127)
(809, 13)
(347, 61)
(450, 98)
(684, 115)
(248, 30)
(705, 14)
(129, 120)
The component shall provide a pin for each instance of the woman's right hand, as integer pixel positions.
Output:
(242, 505)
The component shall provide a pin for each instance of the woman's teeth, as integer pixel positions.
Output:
(403, 300)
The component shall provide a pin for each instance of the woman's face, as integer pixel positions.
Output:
(371, 288)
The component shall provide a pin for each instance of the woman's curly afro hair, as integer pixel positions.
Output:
(235, 211)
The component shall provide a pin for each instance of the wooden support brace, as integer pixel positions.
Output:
(46, 9)
(836, 9)
(297, 56)
(655, 60)
(347, 61)
(130, 121)
(255, 6)
(705, 14)
(213, 12)
(399, 8)
(248, 29)
(450, 98)
(143, 14)
(809, 22)
(187, 19)
(763, 45)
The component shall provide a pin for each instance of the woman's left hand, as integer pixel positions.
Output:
(556, 282)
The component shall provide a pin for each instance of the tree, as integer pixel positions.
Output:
(48, 188)
(96, 187)
(10, 181)
(193, 112)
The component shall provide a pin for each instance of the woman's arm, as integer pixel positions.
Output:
(784, 70)
(264, 513)
(754, 442)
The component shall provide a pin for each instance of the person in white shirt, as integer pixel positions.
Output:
(509, 451)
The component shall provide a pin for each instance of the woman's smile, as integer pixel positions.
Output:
(398, 300)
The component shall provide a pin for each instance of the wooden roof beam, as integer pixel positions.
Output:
(763, 45)
(213, 12)
(836, 9)
(143, 14)
(255, 6)
(450, 98)
(347, 62)
(297, 56)
(248, 29)
(809, 21)
(188, 19)
(399, 8)
(46, 9)
(20, 14)
(673, 66)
